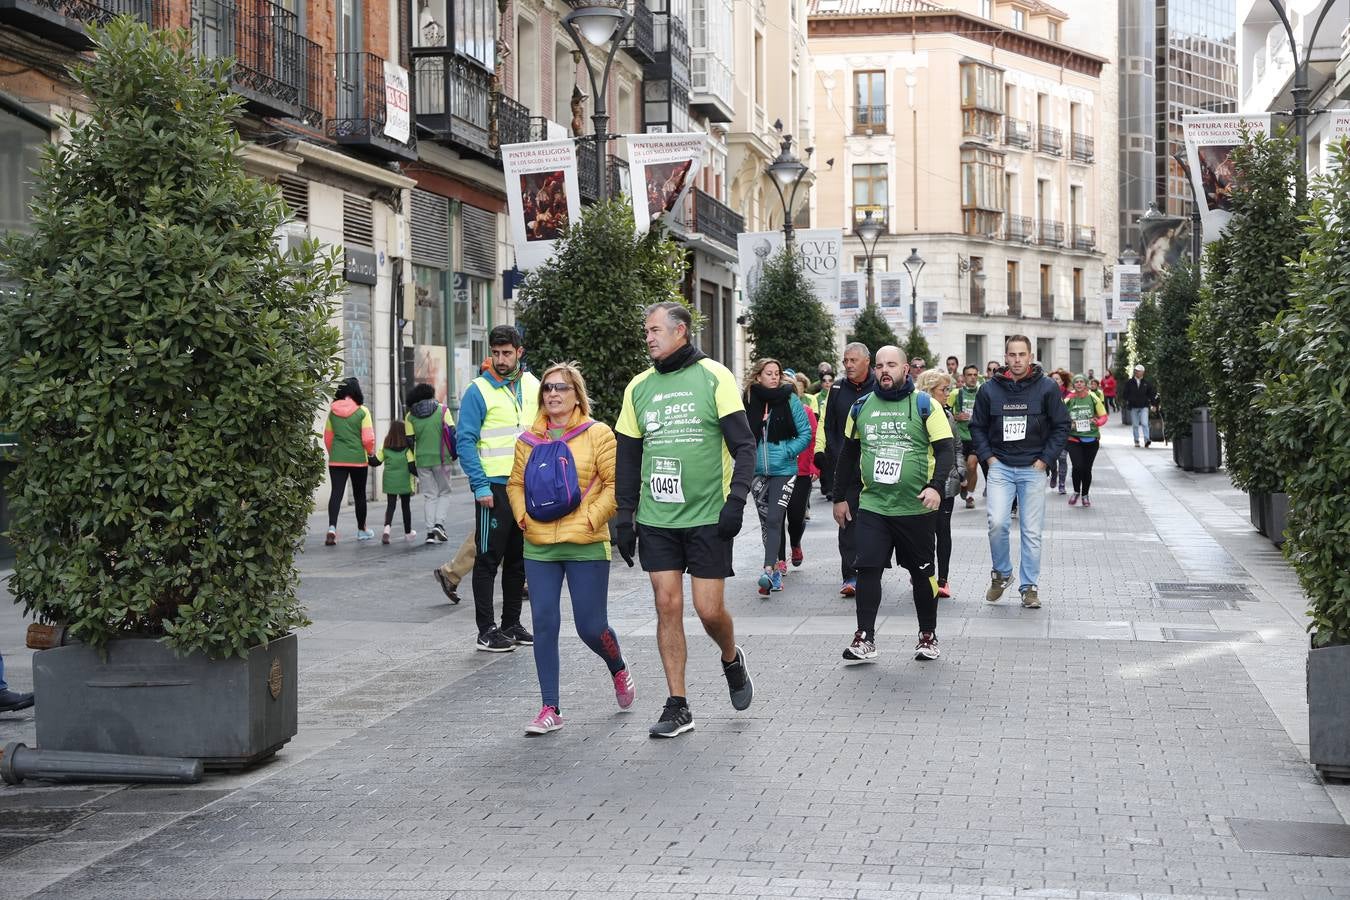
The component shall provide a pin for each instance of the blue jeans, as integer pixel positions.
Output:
(1027, 485)
(3, 687)
(1138, 421)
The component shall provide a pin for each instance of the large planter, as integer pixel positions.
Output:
(1277, 517)
(1256, 504)
(1206, 452)
(1181, 452)
(6, 548)
(142, 699)
(1329, 711)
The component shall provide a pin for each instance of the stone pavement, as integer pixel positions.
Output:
(1108, 745)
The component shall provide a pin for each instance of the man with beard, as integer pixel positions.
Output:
(858, 380)
(897, 454)
(497, 406)
(1019, 427)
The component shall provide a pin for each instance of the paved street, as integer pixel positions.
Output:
(1108, 745)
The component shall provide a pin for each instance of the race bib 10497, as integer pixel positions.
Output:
(665, 482)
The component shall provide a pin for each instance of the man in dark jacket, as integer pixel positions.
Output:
(1138, 395)
(858, 381)
(1019, 427)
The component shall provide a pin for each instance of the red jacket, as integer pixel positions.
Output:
(1109, 385)
(806, 460)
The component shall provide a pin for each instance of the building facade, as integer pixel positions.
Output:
(973, 133)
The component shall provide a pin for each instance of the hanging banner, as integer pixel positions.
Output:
(852, 292)
(893, 297)
(542, 197)
(1127, 293)
(820, 250)
(1163, 241)
(1113, 317)
(930, 317)
(397, 121)
(663, 168)
(1210, 140)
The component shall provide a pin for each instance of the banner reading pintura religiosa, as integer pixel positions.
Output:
(542, 197)
(1210, 140)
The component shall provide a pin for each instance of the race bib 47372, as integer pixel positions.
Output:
(1014, 428)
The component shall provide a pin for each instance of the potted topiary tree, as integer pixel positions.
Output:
(1306, 406)
(167, 365)
(786, 320)
(872, 330)
(1180, 386)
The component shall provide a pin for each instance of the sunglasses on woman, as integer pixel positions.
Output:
(556, 387)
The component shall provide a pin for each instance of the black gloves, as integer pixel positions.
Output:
(729, 522)
(372, 460)
(412, 469)
(625, 538)
(820, 460)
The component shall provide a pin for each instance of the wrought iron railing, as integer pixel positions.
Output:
(880, 214)
(1080, 309)
(1049, 140)
(977, 296)
(453, 100)
(513, 121)
(869, 119)
(1081, 147)
(1017, 228)
(616, 169)
(588, 180)
(1015, 303)
(715, 220)
(1016, 132)
(640, 43)
(1047, 306)
(360, 112)
(1050, 233)
(1084, 237)
(275, 66)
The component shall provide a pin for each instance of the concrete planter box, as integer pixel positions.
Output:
(1277, 517)
(1256, 504)
(1181, 453)
(142, 699)
(1329, 711)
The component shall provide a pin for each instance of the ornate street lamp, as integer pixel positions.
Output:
(599, 23)
(913, 266)
(787, 172)
(1301, 91)
(869, 231)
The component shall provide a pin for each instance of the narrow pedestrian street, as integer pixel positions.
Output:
(1142, 735)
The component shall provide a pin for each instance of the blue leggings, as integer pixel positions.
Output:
(588, 583)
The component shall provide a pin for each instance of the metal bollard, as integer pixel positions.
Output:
(18, 762)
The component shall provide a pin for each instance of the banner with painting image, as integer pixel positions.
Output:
(663, 168)
(1210, 140)
(542, 197)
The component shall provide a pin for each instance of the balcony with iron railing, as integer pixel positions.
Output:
(276, 68)
(1047, 306)
(640, 43)
(1049, 140)
(588, 179)
(1081, 147)
(1018, 228)
(360, 118)
(513, 122)
(672, 50)
(869, 120)
(1084, 237)
(880, 213)
(1016, 132)
(1015, 304)
(63, 21)
(1050, 233)
(977, 296)
(454, 97)
(1080, 309)
(715, 220)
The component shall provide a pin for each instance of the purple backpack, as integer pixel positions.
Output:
(551, 486)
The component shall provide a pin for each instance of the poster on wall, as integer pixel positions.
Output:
(852, 292)
(1210, 140)
(1126, 290)
(542, 197)
(930, 317)
(663, 167)
(429, 367)
(893, 294)
(819, 249)
(397, 121)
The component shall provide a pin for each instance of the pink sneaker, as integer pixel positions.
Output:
(1086, 502)
(781, 566)
(547, 720)
(625, 691)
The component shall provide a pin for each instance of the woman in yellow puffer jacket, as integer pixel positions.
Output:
(575, 546)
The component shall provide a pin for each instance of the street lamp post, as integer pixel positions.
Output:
(1301, 91)
(787, 172)
(869, 231)
(1195, 212)
(913, 266)
(599, 25)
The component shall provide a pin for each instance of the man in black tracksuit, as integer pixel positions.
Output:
(858, 381)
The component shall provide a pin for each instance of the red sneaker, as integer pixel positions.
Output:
(797, 556)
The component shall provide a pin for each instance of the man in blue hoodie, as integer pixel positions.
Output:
(1019, 427)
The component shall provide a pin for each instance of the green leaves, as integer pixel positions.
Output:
(786, 321)
(169, 367)
(1180, 385)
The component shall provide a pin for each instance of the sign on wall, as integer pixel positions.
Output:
(397, 121)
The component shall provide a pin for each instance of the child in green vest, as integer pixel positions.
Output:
(399, 469)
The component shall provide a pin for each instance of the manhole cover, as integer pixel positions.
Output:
(1201, 635)
(1292, 838)
(39, 821)
(11, 844)
(1194, 603)
(1207, 588)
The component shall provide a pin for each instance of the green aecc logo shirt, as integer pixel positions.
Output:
(897, 452)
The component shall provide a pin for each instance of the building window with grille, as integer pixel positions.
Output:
(869, 191)
(982, 202)
(869, 102)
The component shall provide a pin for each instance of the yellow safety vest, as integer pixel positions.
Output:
(511, 409)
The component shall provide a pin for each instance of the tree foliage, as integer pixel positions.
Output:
(1261, 241)
(586, 303)
(1145, 329)
(166, 365)
(917, 345)
(872, 330)
(1181, 387)
(1305, 405)
(786, 321)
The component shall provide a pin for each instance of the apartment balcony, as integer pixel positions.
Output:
(1047, 306)
(880, 213)
(276, 68)
(63, 21)
(360, 119)
(640, 42)
(716, 221)
(1017, 132)
(1084, 237)
(710, 87)
(1015, 304)
(454, 97)
(869, 120)
(1049, 140)
(513, 122)
(1081, 147)
(977, 297)
(1018, 228)
(1080, 309)
(981, 126)
(671, 38)
(588, 180)
(1049, 233)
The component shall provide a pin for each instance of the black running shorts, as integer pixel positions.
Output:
(698, 551)
(910, 538)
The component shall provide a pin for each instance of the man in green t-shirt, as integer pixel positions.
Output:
(898, 446)
(962, 402)
(685, 459)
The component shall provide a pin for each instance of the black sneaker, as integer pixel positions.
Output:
(675, 719)
(13, 701)
(738, 681)
(495, 642)
(444, 581)
(438, 532)
(518, 635)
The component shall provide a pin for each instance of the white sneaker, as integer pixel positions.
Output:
(862, 650)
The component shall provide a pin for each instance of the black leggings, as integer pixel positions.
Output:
(340, 474)
(1082, 454)
(407, 511)
(796, 514)
(944, 537)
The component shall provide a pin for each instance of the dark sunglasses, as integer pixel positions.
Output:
(557, 387)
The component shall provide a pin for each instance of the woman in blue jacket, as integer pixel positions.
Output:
(781, 431)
